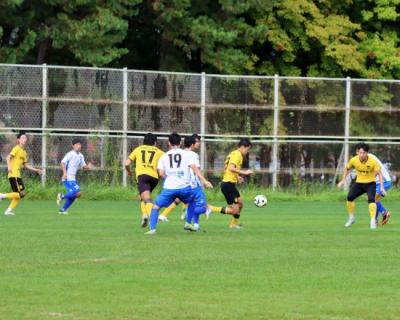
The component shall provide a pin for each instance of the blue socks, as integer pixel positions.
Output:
(154, 218)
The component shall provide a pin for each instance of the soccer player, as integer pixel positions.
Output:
(366, 169)
(232, 175)
(70, 164)
(17, 159)
(199, 204)
(387, 183)
(146, 159)
(174, 166)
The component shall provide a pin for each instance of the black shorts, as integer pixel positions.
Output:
(16, 184)
(146, 183)
(230, 192)
(357, 189)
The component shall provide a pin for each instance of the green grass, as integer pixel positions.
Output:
(293, 260)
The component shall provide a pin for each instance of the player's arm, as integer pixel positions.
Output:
(8, 159)
(128, 163)
(380, 175)
(32, 168)
(87, 166)
(64, 170)
(203, 180)
(346, 172)
(232, 168)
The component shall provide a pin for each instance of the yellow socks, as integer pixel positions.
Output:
(350, 207)
(168, 210)
(12, 195)
(372, 210)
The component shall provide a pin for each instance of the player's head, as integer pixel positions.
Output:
(362, 150)
(76, 144)
(22, 138)
(150, 139)
(189, 142)
(244, 146)
(197, 140)
(174, 139)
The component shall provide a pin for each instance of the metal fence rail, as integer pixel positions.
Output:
(302, 128)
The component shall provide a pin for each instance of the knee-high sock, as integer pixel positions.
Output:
(380, 208)
(143, 208)
(193, 213)
(148, 206)
(350, 207)
(14, 202)
(372, 210)
(168, 210)
(154, 218)
(67, 204)
(12, 195)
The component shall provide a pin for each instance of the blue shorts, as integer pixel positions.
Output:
(199, 197)
(386, 184)
(72, 186)
(167, 196)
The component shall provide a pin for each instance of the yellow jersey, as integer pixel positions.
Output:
(18, 159)
(236, 158)
(365, 171)
(146, 159)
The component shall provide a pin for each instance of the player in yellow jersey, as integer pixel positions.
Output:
(367, 168)
(17, 159)
(233, 175)
(145, 158)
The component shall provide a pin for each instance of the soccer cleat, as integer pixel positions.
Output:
(163, 218)
(349, 222)
(236, 226)
(373, 225)
(9, 212)
(386, 217)
(145, 222)
(196, 227)
(151, 232)
(183, 215)
(59, 198)
(189, 227)
(62, 212)
(208, 212)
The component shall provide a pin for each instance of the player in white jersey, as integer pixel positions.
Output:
(387, 183)
(199, 205)
(70, 164)
(174, 166)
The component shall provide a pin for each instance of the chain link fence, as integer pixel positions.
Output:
(303, 129)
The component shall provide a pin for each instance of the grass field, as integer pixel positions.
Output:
(293, 260)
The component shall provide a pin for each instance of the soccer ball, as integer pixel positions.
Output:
(260, 200)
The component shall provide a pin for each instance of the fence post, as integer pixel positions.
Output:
(203, 121)
(44, 124)
(275, 134)
(347, 121)
(124, 124)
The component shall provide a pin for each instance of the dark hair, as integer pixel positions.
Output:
(149, 139)
(362, 145)
(20, 134)
(174, 139)
(76, 140)
(244, 142)
(196, 136)
(189, 141)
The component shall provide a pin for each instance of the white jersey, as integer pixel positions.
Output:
(176, 166)
(73, 161)
(194, 180)
(384, 170)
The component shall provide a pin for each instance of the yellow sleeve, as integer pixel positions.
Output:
(132, 156)
(14, 151)
(350, 164)
(377, 167)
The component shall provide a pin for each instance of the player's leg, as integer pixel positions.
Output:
(199, 209)
(386, 214)
(231, 196)
(73, 192)
(146, 185)
(355, 191)
(18, 193)
(370, 189)
(164, 199)
(164, 215)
